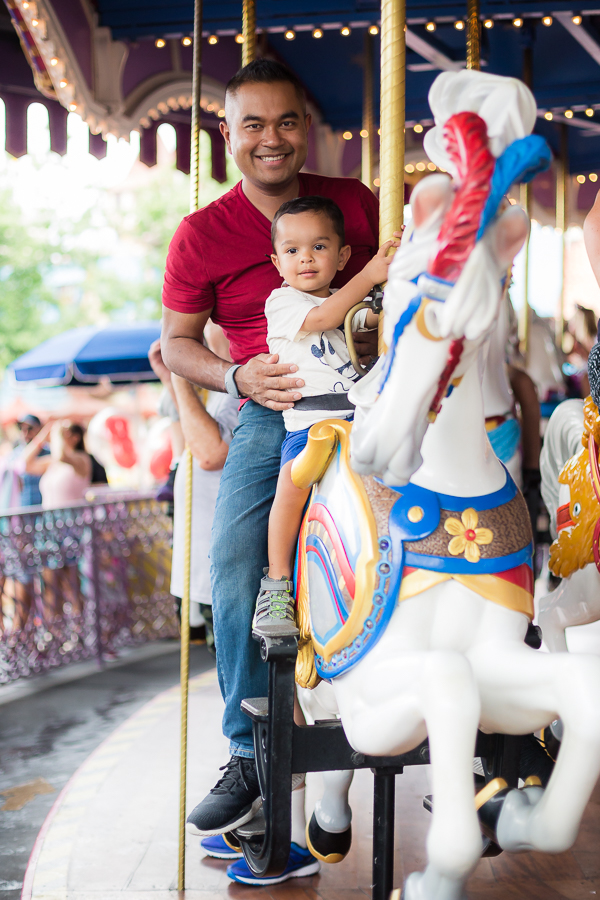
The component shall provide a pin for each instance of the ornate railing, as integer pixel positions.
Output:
(83, 582)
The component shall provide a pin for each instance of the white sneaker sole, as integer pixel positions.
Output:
(309, 869)
(229, 826)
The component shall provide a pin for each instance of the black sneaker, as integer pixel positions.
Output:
(234, 800)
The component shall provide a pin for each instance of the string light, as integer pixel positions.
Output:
(518, 22)
(589, 112)
(430, 26)
(576, 20)
(568, 113)
(459, 25)
(186, 41)
(54, 61)
(72, 107)
(345, 30)
(213, 39)
(317, 33)
(431, 166)
(379, 131)
(347, 135)
(290, 34)
(489, 23)
(593, 177)
(25, 5)
(210, 107)
(418, 128)
(409, 168)
(547, 21)
(581, 179)
(239, 38)
(35, 23)
(221, 113)
(364, 133)
(420, 167)
(159, 42)
(548, 116)
(376, 182)
(63, 83)
(374, 30)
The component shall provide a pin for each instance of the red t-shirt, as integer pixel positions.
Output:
(220, 258)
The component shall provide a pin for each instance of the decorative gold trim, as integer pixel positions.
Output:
(420, 321)
(490, 790)
(533, 781)
(415, 514)
(331, 858)
(310, 465)
(490, 587)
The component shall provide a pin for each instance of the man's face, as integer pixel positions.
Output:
(266, 131)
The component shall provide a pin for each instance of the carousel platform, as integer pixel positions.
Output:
(112, 833)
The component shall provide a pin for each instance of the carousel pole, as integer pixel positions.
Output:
(525, 202)
(248, 31)
(473, 35)
(367, 118)
(185, 600)
(562, 174)
(391, 146)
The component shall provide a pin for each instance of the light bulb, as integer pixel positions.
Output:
(159, 42)
(317, 33)
(364, 133)
(576, 20)
(589, 112)
(213, 39)
(420, 167)
(459, 25)
(239, 38)
(376, 182)
(345, 31)
(374, 30)
(221, 113)
(430, 26)
(418, 128)
(347, 135)
(431, 166)
(186, 41)
(547, 21)
(592, 176)
(548, 116)
(568, 113)
(489, 23)
(290, 34)
(581, 179)
(54, 61)
(409, 168)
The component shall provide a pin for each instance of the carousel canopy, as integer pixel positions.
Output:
(126, 64)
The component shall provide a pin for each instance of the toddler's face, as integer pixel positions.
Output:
(308, 252)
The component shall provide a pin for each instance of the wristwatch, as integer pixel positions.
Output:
(230, 385)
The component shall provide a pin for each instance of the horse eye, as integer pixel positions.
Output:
(576, 509)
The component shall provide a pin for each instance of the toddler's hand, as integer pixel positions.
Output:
(377, 269)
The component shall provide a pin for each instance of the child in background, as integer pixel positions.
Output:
(305, 319)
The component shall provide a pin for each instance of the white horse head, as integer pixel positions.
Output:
(446, 280)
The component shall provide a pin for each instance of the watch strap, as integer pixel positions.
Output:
(230, 382)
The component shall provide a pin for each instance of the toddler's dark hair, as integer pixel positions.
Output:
(311, 204)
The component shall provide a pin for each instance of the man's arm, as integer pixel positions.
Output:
(260, 379)
(199, 428)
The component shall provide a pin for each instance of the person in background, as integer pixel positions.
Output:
(167, 408)
(30, 427)
(66, 472)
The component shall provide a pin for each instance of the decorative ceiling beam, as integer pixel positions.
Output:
(583, 37)
(437, 59)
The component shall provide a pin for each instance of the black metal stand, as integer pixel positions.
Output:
(384, 803)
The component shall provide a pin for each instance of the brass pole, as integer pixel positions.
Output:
(367, 118)
(185, 600)
(562, 174)
(391, 152)
(473, 35)
(248, 31)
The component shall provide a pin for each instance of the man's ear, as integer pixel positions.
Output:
(224, 129)
(344, 256)
(308, 121)
(275, 262)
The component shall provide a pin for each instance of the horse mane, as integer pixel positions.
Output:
(573, 550)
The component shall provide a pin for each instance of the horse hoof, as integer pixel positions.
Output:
(488, 803)
(328, 846)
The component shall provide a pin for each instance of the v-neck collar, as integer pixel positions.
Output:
(260, 217)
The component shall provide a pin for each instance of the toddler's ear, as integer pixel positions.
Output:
(275, 262)
(344, 256)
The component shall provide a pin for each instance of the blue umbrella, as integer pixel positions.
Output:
(85, 355)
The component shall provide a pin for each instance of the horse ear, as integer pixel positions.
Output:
(430, 199)
(511, 232)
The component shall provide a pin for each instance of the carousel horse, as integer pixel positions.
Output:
(414, 580)
(571, 491)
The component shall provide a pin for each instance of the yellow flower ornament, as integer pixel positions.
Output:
(467, 536)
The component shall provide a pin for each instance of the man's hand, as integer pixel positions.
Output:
(263, 380)
(156, 361)
(366, 345)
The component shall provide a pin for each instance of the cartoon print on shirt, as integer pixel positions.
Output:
(326, 353)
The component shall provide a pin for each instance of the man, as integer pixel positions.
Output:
(30, 495)
(219, 266)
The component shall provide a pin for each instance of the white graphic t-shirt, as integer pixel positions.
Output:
(322, 358)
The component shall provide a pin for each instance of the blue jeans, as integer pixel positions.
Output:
(239, 552)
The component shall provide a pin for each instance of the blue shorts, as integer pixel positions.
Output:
(295, 441)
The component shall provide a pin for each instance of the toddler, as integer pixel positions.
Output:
(305, 326)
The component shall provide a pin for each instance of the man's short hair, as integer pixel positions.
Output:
(312, 204)
(264, 71)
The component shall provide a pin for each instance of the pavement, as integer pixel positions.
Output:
(50, 725)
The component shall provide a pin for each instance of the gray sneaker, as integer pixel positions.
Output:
(275, 606)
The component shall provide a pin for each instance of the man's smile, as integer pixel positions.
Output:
(271, 158)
